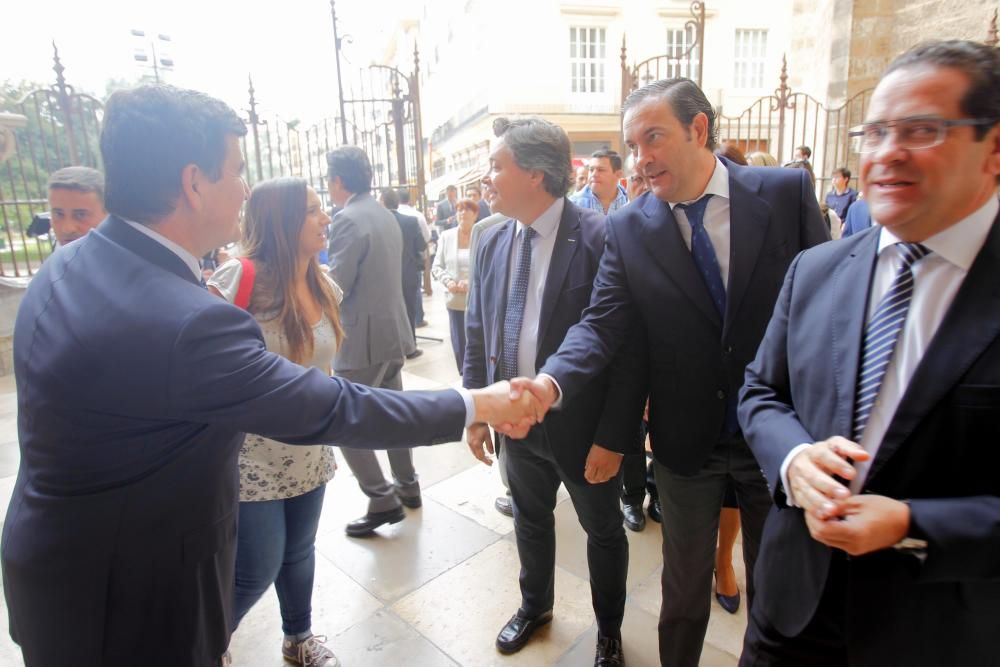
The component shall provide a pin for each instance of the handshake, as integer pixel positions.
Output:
(512, 408)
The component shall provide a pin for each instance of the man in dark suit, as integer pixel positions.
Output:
(445, 218)
(687, 282)
(875, 412)
(366, 247)
(413, 257)
(534, 276)
(135, 386)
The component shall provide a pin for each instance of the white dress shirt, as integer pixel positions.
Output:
(195, 266)
(716, 217)
(936, 279)
(547, 227)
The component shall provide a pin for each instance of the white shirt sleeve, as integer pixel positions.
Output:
(227, 278)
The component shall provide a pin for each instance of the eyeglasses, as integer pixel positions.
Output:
(911, 133)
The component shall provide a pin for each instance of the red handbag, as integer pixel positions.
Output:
(246, 283)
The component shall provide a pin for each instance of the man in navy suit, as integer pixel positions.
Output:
(875, 412)
(135, 386)
(689, 277)
(534, 276)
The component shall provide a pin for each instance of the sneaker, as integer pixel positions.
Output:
(310, 652)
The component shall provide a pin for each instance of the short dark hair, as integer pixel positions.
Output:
(404, 196)
(805, 151)
(389, 198)
(980, 63)
(843, 171)
(613, 157)
(451, 188)
(686, 100)
(538, 145)
(151, 133)
(80, 179)
(473, 188)
(351, 164)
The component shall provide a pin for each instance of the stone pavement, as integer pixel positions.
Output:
(436, 588)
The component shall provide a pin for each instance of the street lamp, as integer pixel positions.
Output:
(164, 61)
(340, 85)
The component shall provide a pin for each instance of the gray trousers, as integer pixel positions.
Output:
(691, 506)
(382, 494)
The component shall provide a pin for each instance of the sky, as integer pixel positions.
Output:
(287, 46)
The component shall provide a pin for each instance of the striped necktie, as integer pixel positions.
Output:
(882, 333)
(515, 307)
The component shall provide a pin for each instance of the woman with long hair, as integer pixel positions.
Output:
(282, 486)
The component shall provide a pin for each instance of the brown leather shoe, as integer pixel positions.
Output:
(518, 631)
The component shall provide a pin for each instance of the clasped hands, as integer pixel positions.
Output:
(513, 408)
(857, 524)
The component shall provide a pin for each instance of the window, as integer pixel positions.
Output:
(686, 64)
(587, 59)
(751, 52)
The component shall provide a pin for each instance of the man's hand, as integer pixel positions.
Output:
(602, 464)
(541, 389)
(510, 416)
(811, 472)
(480, 442)
(867, 523)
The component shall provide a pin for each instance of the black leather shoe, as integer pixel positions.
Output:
(634, 518)
(655, 513)
(609, 653)
(502, 505)
(518, 631)
(413, 502)
(367, 524)
(416, 353)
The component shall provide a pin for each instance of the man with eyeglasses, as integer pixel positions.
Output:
(875, 412)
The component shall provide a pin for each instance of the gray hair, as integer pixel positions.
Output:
(80, 179)
(538, 145)
(686, 100)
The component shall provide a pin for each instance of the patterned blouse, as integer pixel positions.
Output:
(272, 470)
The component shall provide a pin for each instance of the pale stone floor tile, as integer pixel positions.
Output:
(404, 557)
(462, 611)
(337, 604)
(383, 639)
(472, 493)
(639, 642)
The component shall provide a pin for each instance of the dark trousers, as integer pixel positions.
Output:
(691, 506)
(534, 478)
(456, 322)
(637, 476)
(418, 299)
(413, 300)
(276, 544)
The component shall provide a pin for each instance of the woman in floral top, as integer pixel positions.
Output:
(282, 486)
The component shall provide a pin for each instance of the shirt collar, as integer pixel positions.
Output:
(189, 259)
(960, 243)
(718, 184)
(548, 221)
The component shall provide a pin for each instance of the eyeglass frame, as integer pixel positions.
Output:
(858, 132)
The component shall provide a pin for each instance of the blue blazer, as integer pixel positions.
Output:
(575, 258)
(940, 452)
(650, 299)
(135, 387)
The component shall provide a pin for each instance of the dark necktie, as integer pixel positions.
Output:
(882, 333)
(515, 306)
(704, 253)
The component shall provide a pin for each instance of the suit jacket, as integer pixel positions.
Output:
(575, 258)
(134, 387)
(650, 298)
(413, 251)
(366, 247)
(858, 219)
(940, 452)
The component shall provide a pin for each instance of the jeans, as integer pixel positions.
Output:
(275, 543)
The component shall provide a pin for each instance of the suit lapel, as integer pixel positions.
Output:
(119, 231)
(749, 217)
(666, 245)
(567, 241)
(970, 325)
(849, 313)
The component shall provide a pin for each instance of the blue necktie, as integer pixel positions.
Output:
(881, 335)
(704, 253)
(515, 306)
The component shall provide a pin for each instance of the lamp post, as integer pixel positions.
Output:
(340, 84)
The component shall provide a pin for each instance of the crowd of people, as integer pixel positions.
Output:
(686, 330)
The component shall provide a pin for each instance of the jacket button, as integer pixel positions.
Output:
(720, 394)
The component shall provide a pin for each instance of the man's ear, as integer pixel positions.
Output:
(699, 125)
(192, 180)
